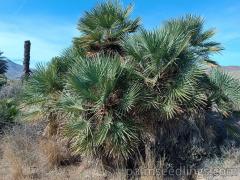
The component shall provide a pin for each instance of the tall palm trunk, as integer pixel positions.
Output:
(26, 61)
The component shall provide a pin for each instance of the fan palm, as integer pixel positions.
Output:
(104, 27)
(42, 92)
(163, 83)
(67, 58)
(101, 106)
(171, 61)
(43, 89)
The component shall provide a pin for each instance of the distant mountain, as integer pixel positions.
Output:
(233, 70)
(14, 71)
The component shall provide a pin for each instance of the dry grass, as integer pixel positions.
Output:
(26, 156)
(18, 153)
(224, 168)
(14, 163)
(53, 152)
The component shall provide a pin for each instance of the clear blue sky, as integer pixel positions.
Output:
(51, 24)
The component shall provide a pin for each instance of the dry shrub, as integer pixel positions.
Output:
(11, 90)
(51, 151)
(26, 155)
(19, 152)
(92, 169)
(55, 152)
(14, 163)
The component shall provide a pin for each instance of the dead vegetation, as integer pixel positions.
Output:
(26, 155)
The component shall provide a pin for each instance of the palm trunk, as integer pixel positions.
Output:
(26, 61)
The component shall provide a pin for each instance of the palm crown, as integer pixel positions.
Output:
(104, 27)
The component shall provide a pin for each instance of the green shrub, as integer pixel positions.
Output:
(8, 112)
(3, 80)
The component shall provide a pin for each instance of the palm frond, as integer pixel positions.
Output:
(79, 130)
(116, 139)
(156, 50)
(94, 79)
(225, 91)
(130, 98)
(200, 38)
(122, 140)
(45, 80)
(184, 92)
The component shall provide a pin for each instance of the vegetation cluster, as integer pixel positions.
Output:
(123, 94)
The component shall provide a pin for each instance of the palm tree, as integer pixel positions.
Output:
(44, 88)
(101, 108)
(41, 93)
(165, 62)
(171, 61)
(104, 27)
(161, 95)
